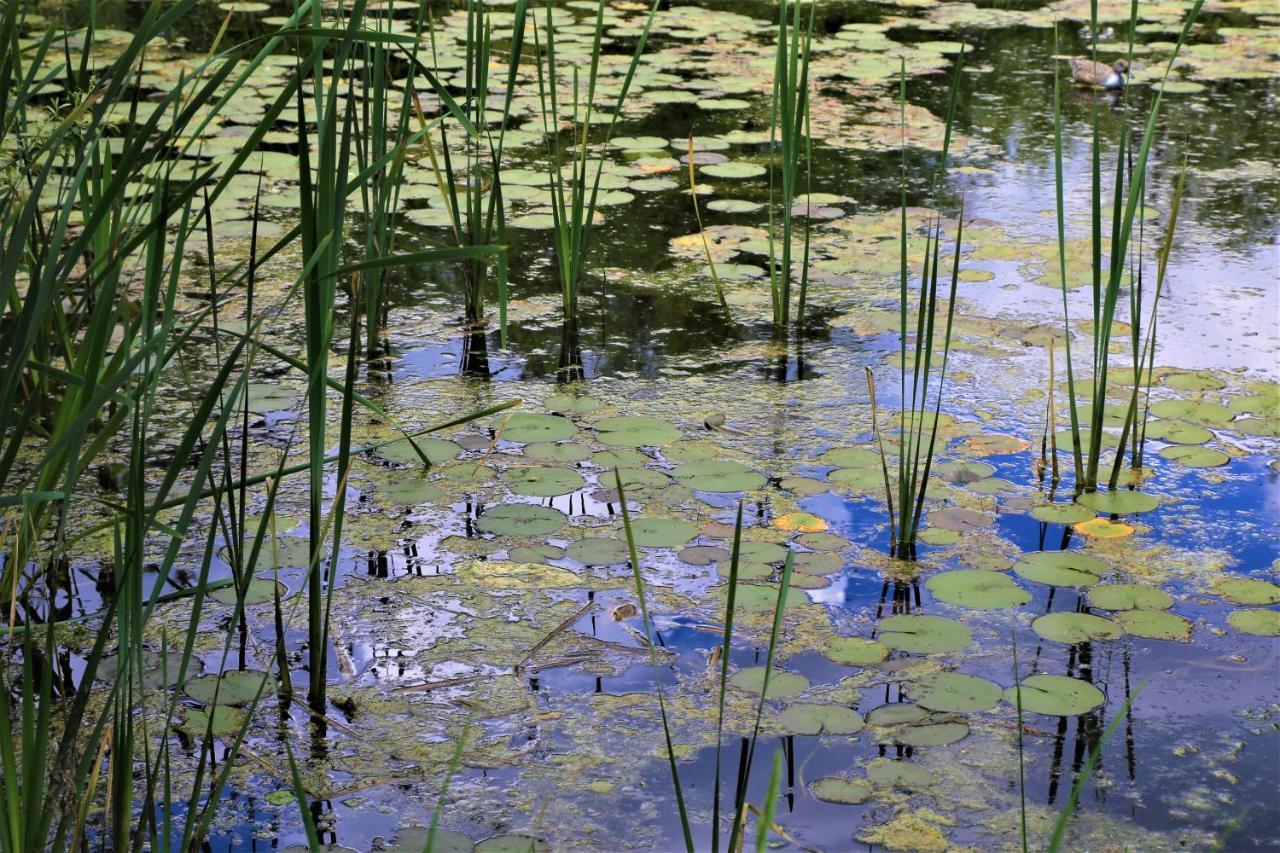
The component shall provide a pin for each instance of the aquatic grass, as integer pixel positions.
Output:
(788, 140)
(574, 196)
(702, 231)
(1063, 821)
(1105, 295)
(917, 430)
(477, 215)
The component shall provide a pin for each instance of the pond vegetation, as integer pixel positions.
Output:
(510, 425)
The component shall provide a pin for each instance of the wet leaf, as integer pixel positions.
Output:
(1061, 568)
(1260, 623)
(978, 589)
(521, 520)
(909, 632)
(1128, 596)
(1055, 695)
(1154, 624)
(954, 692)
(814, 719)
(845, 791)
(782, 685)
(1069, 627)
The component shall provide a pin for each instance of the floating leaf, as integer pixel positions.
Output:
(718, 476)
(634, 431)
(521, 520)
(1061, 568)
(542, 482)
(896, 714)
(845, 791)
(899, 774)
(931, 734)
(504, 574)
(513, 843)
(1120, 502)
(803, 521)
(261, 589)
(963, 472)
(436, 450)
(652, 532)
(978, 589)
(235, 687)
(1154, 624)
(530, 427)
(598, 551)
(1070, 627)
(1260, 623)
(856, 651)
(1062, 513)
(547, 452)
(1055, 695)
(413, 491)
(1104, 528)
(955, 692)
(1195, 457)
(782, 685)
(1128, 596)
(703, 555)
(814, 719)
(219, 721)
(909, 632)
(1247, 591)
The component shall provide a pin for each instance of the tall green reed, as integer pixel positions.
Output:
(788, 144)
(574, 169)
(918, 415)
(740, 805)
(1087, 447)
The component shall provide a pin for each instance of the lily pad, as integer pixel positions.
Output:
(1247, 591)
(1154, 624)
(542, 482)
(548, 452)
(732, 169)
(931, 734)
(856, 651)
(413, 491)
(814, 719)
(896, 714)
(1193, 456)
(1062, 513)
(899, 774)
(963, 472)
(782, 685)
(955, 692)
(1120, 502)
(219, 721)
(530, 427)
(261, 589)
(1061, 568)
(977, 589)
(909, 632)
(521, 520)
(635, 431)
(1260, 623)
(599, 551)
(507, 574)
(513, 843)
(1128, 596)
(1056, 695)
(845, 791)
(1070, 627)
(436, 450)
(718, 476)
(235, 687)
(704, 555)
(661, 532)
(805, 522)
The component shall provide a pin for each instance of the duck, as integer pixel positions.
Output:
(1098, 74)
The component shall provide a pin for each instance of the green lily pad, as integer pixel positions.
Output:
(1260, 623)
(521, 520)
(817, 562)
(661, 532)
(547, 452)
(1194, 381)
(814, 719)
(856, 651)
(690, 451)
(571, 405)
(977, 589)
(1062, 513)
(909, 632)
(436, 450)
(598, 551)
(261, 589)
(235, 687)
(704, 555)
(1128, 596)
(534, 553)
(844, 791)
(857, 478)
(1247, 591)
(931, 734)
(1193, 456)
(731, 169)
(530, 427)
(955, 692)
(1061, 568)
(1055, 695)
(1120, 502)
(821, 541)
(761, 598)
(899, 774)
(542, 482)
(219, 721)
(1177, 432)
(414, 840)
(896, 714)
(762, 552)
(782, 685)
(635, 431)
(1070, 627)
(158, 670)
(718, 476)
(513, 843)
(851, 457)
(963, 472)
(1154, 624)
(623, 458)
(411, 492)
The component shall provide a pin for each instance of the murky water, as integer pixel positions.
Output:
(523, 640)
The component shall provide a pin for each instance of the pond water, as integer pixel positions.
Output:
(512, 636)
